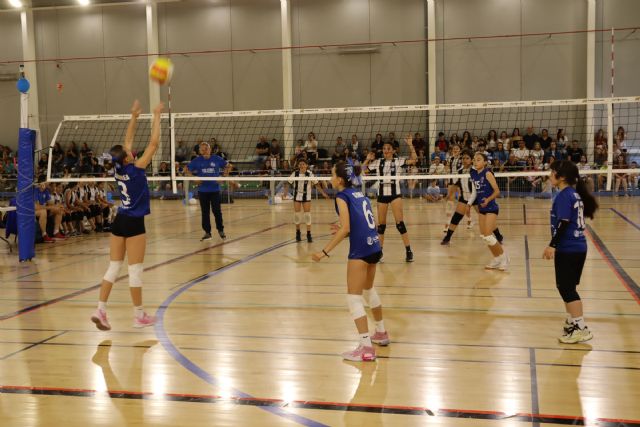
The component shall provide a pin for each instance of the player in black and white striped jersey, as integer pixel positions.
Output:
(302, 193)
(454, 167)
(390, 192)
(463, 185)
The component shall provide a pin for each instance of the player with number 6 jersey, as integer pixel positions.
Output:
(128, 231)
(357, 222)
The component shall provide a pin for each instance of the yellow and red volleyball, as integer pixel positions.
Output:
(161, 71)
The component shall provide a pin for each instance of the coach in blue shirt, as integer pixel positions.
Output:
(207, 165)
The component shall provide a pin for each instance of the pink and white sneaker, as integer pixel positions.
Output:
(360, 354)
(144, 321)
(381, 338)
(99, 317)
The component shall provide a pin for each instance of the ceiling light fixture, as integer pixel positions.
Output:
(15, 3)
(84, 2)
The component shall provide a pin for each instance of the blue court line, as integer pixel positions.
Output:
(526, 265)
(624, 277)
(535, 403)
(626, 219)
(168, 345)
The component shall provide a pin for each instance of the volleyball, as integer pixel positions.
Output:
(161, 71)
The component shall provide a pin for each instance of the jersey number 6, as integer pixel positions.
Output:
(371, 220)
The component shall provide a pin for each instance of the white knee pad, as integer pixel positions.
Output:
(112, 272)
(297, 218)
(371, 297)
(307, 218)
(490, 240)
(356, 306)
(135, 275)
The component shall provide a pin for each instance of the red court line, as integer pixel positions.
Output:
(314, 404)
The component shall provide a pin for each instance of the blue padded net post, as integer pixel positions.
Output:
(25, 200)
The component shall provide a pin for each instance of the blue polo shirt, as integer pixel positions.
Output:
(213, 166)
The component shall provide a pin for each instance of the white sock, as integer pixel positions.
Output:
(365, 340)
(380, 326)
(138, 312)
(55, 231)
(102, 306)
(580, 322)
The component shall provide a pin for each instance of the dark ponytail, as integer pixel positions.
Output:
(569, 171)
(118, 154)
(343, 171)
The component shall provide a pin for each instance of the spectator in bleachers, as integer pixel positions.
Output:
(442, 143)
(512, 165)
(261, 153)
(515, 132)
(521, 153)
(376, 145)
(534, 182)
(71, 155)
(492, 140)
(537, 153)
(574, 152)
(164, 170)
(504, 138)
(600, 139)
(482, 148)
(633, 177)
(620, 139)
(438, 154)
(600, 156)
(465, 144)
(339, 151)
(216, 149)
(57, 158)
(545, 139)
(436, 167)
(9, 168)
(561, 140)
(530, 138)
(433, 192)
(621, 179)
(84, 149)
(554, 152)
(584, 165)
(181, 152)
(474, 143)
(420, 145)
(324, 170)
(500, 153)
(394, 142)
(275, 151)
(311, 147)
(362, 157)
(354, 147)
(454, 139)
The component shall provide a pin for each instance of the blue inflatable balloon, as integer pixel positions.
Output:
(23, 85)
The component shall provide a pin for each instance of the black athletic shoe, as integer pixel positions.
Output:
(445, 242)
(409, 256)
(298, 237)
(207, 236)
(222, 235)
(309, 238)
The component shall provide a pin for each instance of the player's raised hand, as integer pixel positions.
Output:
(136, 109)
(159, 108)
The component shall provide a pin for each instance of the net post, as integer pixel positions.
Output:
(186, 185)
(610, 145)
(172, 142)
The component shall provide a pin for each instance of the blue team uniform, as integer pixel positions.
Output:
(363, 237)
(213, 166)
(42, 197)
(134, 191)
(568, 206)
(483, 190)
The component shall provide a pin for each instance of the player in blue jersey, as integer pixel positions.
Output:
(209, 165)
(484, 192)
(128, 231)
(568, 246)
(358, 222)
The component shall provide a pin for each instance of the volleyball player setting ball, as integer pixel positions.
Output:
(390, 191)
(568, 246)
(484, 194)
(128, 231)
(357, 222)
(302, 197)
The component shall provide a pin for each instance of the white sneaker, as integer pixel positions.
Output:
(576, 335)
(469, 225)
(504, 262)
(494, 264)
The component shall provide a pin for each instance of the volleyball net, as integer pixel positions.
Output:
(263, 147)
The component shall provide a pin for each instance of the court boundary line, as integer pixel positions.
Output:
(34, 307)
(265, 403)
(625, 218)
(626, 280)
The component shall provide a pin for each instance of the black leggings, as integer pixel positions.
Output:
(568, 266)
(210, 201)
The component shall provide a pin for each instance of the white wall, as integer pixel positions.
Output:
(10, 49)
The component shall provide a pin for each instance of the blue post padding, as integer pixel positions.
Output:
(25, 203)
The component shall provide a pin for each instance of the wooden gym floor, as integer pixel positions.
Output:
(250, 329)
